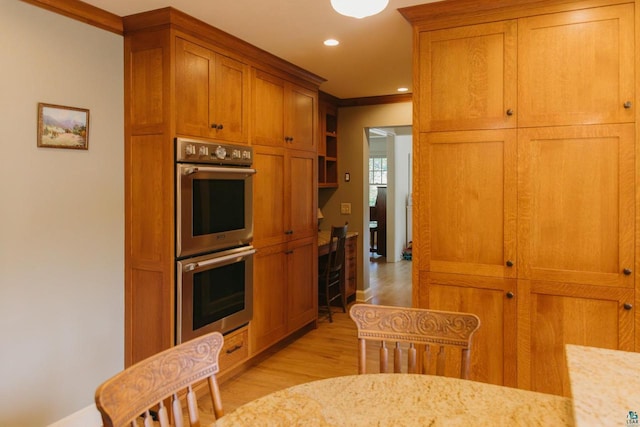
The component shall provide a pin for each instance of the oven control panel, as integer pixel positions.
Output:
(198, 151)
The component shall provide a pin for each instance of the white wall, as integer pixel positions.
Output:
(61, 218)
(401, 147)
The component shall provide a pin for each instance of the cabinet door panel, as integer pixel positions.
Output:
(467, 77)
(551, 315)
(269, 322)
(576, 67)
(195, 68)
(576, 204)
(302, 190)
(302, 286)
(268, 109)
(231, 99)
(269, 199)
(493, 349)
(301, 120)
(469, 181)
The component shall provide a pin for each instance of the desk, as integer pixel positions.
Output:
(605, 385)
(401, 400)
(351, 260)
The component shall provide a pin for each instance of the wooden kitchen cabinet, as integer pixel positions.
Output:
(212, 94)
(577, 67)
(182, 76)
(284, 113)
(470, 192)
(529, 217)
(576, 191)
(494, 300)
(479, 95)
(285, 291)
(551, 315)
(284, 195)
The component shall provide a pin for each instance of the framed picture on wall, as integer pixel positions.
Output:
(63, 127)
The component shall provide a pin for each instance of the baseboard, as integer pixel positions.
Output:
(364, 296)
(87, 417)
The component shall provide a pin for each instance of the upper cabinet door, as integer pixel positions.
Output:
(576, 67)
(301, 118)
(212, 93)
(468, 77)
(268, 109)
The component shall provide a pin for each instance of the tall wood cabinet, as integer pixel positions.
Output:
(285, 206)
(184, 78)
(525, 178)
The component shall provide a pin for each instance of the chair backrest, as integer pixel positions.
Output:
(336, 249)
(141, 389)
(414, 327)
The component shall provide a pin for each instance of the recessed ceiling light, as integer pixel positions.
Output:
(331, 42)
(403, 89)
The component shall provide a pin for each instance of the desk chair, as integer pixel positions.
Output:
(140, 391)
(330, 280)
(410, 327)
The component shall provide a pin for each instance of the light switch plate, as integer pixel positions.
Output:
(345, 208)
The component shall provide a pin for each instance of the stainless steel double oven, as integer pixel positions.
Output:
(214, 232)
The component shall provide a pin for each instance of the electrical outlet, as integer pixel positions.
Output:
(345, 208)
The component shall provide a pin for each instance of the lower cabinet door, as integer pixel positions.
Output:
(493, 300)
(552, 314)
(302, 267)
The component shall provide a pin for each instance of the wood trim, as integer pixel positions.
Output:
(83, 12)
(375, 100)
(464, 12)
(232, 46)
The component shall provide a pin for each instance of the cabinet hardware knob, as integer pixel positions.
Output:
(219, 127)
(214, 126)
(627, 271)
(510, 295)
(289, 252)
(509, 112)
(509, 263)
(627, 105)
(627, 306)
(288, 232)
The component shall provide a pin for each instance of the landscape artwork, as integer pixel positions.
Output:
(63, 127)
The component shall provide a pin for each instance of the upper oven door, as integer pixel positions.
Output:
(213, 208)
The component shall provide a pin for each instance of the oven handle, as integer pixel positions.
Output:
(214, 261)
(196, 169)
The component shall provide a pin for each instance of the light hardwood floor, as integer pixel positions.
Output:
(328, 351)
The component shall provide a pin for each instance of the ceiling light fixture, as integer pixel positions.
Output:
(359, 8)
(403, 89)
(331, 42)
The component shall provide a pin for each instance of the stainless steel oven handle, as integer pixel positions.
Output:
(214, 261)
(196, 169)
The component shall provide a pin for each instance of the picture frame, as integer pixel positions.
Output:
(60, 126)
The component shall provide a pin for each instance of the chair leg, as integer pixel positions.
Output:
(328, 298)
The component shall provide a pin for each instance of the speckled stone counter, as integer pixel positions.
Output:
(401, 400)
(605, 385)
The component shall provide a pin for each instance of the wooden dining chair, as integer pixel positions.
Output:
(143, 391)
(449, 333)
(331, 274)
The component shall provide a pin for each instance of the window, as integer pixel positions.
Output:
(377, 176)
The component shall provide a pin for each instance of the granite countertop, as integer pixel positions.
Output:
(605, 385)
(402, 400)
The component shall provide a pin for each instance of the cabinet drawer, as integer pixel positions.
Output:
(235, 349)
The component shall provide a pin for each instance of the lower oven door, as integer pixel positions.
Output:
(214, 292)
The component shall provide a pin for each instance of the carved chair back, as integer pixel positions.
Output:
(143, 391)
(449, 333)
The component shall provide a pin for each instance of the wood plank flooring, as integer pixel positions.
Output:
(328, 351)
